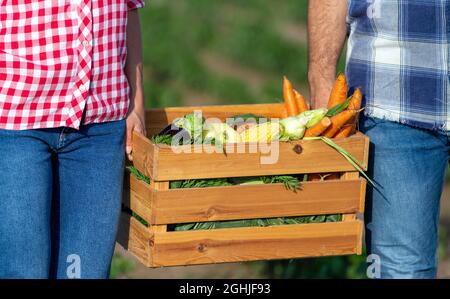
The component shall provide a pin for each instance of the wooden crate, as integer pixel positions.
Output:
(160, 206)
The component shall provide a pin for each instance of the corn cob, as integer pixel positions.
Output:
(266, 132)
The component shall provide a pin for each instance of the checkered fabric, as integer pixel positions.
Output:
(398, 52)
(61, 57)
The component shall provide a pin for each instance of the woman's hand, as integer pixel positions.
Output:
(133, 71)
(135, 122)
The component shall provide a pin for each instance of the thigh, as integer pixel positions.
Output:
(90, 171)
(25, 201)
(402, 214)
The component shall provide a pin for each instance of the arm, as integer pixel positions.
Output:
(133, 71)
(326, 36)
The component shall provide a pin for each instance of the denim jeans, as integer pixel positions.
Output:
(60, 197)
(402, 213)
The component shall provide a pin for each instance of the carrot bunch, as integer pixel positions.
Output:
(340, 120)
(342, 116)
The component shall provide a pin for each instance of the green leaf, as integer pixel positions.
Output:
(352, 160)
(162, 139)
(140, 219)
(290, 182)
(184, 227)
(335, 110)
(133, 170)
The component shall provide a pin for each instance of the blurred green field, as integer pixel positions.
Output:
(199, 52)
(222, 51)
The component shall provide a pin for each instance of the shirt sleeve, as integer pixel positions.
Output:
(134, 4)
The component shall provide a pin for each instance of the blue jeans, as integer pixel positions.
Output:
(60, 197)
(402, 214)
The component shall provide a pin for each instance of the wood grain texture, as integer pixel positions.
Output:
(316, 157)
(157, 186)
(352, 175)
(140, 200)
(360, 237)
(157, 119)
(254, 201)
(145, 155)
(256, 243)
(155, 246)
(162, 163)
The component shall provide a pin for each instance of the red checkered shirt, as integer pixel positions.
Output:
(60, 57)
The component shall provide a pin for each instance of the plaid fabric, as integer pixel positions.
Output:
(398, 52)
(60, 57)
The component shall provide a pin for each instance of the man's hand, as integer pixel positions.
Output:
(133, 71)
(135, 122)
(326, 36)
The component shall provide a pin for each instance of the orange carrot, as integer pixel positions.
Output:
(289, 98)
(355, 101)
(346, 131)
(338, 121)
(350, 127)
(333, 176)
(323, 176)
(315, 177)
(339, 92)
(318, 128)
(301, 102)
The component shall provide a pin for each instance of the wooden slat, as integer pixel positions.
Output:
(255, 201)
(140, 198)
(316, 157)
(145, 154)
(157, 119)
(349, 176)
(256, 243)
(158, 186)
(352, 176)
(353, 216)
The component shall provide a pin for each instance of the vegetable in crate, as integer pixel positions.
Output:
(313, 116)
(184, 130)
(290, 182)
(290, 100)
(301, 102)
(319, 128)
(339, 92)
(338, 121)
(293, 128)
(266, 132)
(193, 123)
(356, 100)
(257, 222)
(220, 133)
(354, 105)
(346, 131)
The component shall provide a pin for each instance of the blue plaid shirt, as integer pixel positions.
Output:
(398, 52)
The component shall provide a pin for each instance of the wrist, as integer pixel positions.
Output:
(321, 82)
(318, 73)
(137, 106)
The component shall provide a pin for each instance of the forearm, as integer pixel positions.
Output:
(133, 67)
(326, 37)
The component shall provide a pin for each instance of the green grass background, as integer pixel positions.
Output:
(231, 51)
